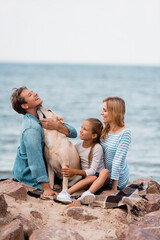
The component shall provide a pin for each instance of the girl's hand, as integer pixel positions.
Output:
(68, 171)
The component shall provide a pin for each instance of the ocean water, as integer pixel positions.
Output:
(75, 92)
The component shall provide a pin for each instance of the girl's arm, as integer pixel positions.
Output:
(69, 171)
(97, 160)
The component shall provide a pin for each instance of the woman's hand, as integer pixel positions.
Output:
(68, 171)
(109, 192)
(48, 123)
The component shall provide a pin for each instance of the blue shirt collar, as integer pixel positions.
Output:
(33, 117)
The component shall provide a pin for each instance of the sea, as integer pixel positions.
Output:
(76, 92)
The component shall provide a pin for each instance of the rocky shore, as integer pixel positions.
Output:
(24, 217)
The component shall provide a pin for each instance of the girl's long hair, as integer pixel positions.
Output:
(116, 109)
(97, 127)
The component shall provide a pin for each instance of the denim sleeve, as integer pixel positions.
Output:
(72, 131)
(32, 140)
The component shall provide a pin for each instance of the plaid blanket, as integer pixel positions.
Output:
(127, 197)
(131, 198)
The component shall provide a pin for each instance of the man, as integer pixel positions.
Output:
(29, 167)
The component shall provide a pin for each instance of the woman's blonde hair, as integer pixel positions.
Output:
(116, 109)
(97, 127)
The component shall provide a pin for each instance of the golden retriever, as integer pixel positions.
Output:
(58, 151)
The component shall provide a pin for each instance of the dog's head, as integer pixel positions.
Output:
(44, 113)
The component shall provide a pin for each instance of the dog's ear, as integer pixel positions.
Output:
(60, 119)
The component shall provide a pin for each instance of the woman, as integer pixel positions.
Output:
(115, 140)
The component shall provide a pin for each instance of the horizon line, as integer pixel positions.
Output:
(81, 63)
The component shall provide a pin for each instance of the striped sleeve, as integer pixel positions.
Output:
(120, 155)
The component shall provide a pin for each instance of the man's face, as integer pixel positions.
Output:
(32, 99)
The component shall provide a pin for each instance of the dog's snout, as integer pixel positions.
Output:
(41, 113)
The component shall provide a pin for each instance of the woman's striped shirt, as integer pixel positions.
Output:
(115, 151)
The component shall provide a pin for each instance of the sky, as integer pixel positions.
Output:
(80, 31)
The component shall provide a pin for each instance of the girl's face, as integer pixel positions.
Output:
(86, 131)
(105, 114)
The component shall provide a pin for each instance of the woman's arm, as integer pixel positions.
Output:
(114, 188)
(119, 158)
(114, 185)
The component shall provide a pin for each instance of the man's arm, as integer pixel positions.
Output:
(65, 128)
(32, 140)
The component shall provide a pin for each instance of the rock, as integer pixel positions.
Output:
(36, 214)
(55, 233)
(87, 222)
(153, 186)
(80, 214)
(3, 206)
(151, 222)
(153, 203)
(122, 234)
(13, 189)
(12, 231)
(122, 217)
(108, 238)
(150, 198)
(136, 233)
(75, 203)
(150, 203)
(28, 227)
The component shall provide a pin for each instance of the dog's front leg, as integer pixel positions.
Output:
(65, 180)
(65, 183)
(51, 176)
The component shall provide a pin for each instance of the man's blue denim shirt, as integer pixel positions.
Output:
(29, 167)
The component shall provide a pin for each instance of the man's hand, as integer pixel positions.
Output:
(47, 189)
(68, 171)
(49, 123)
(49, 192)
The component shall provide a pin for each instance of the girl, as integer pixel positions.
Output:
(115, 140)
(91, 158)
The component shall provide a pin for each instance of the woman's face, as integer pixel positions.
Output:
(105, 114)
